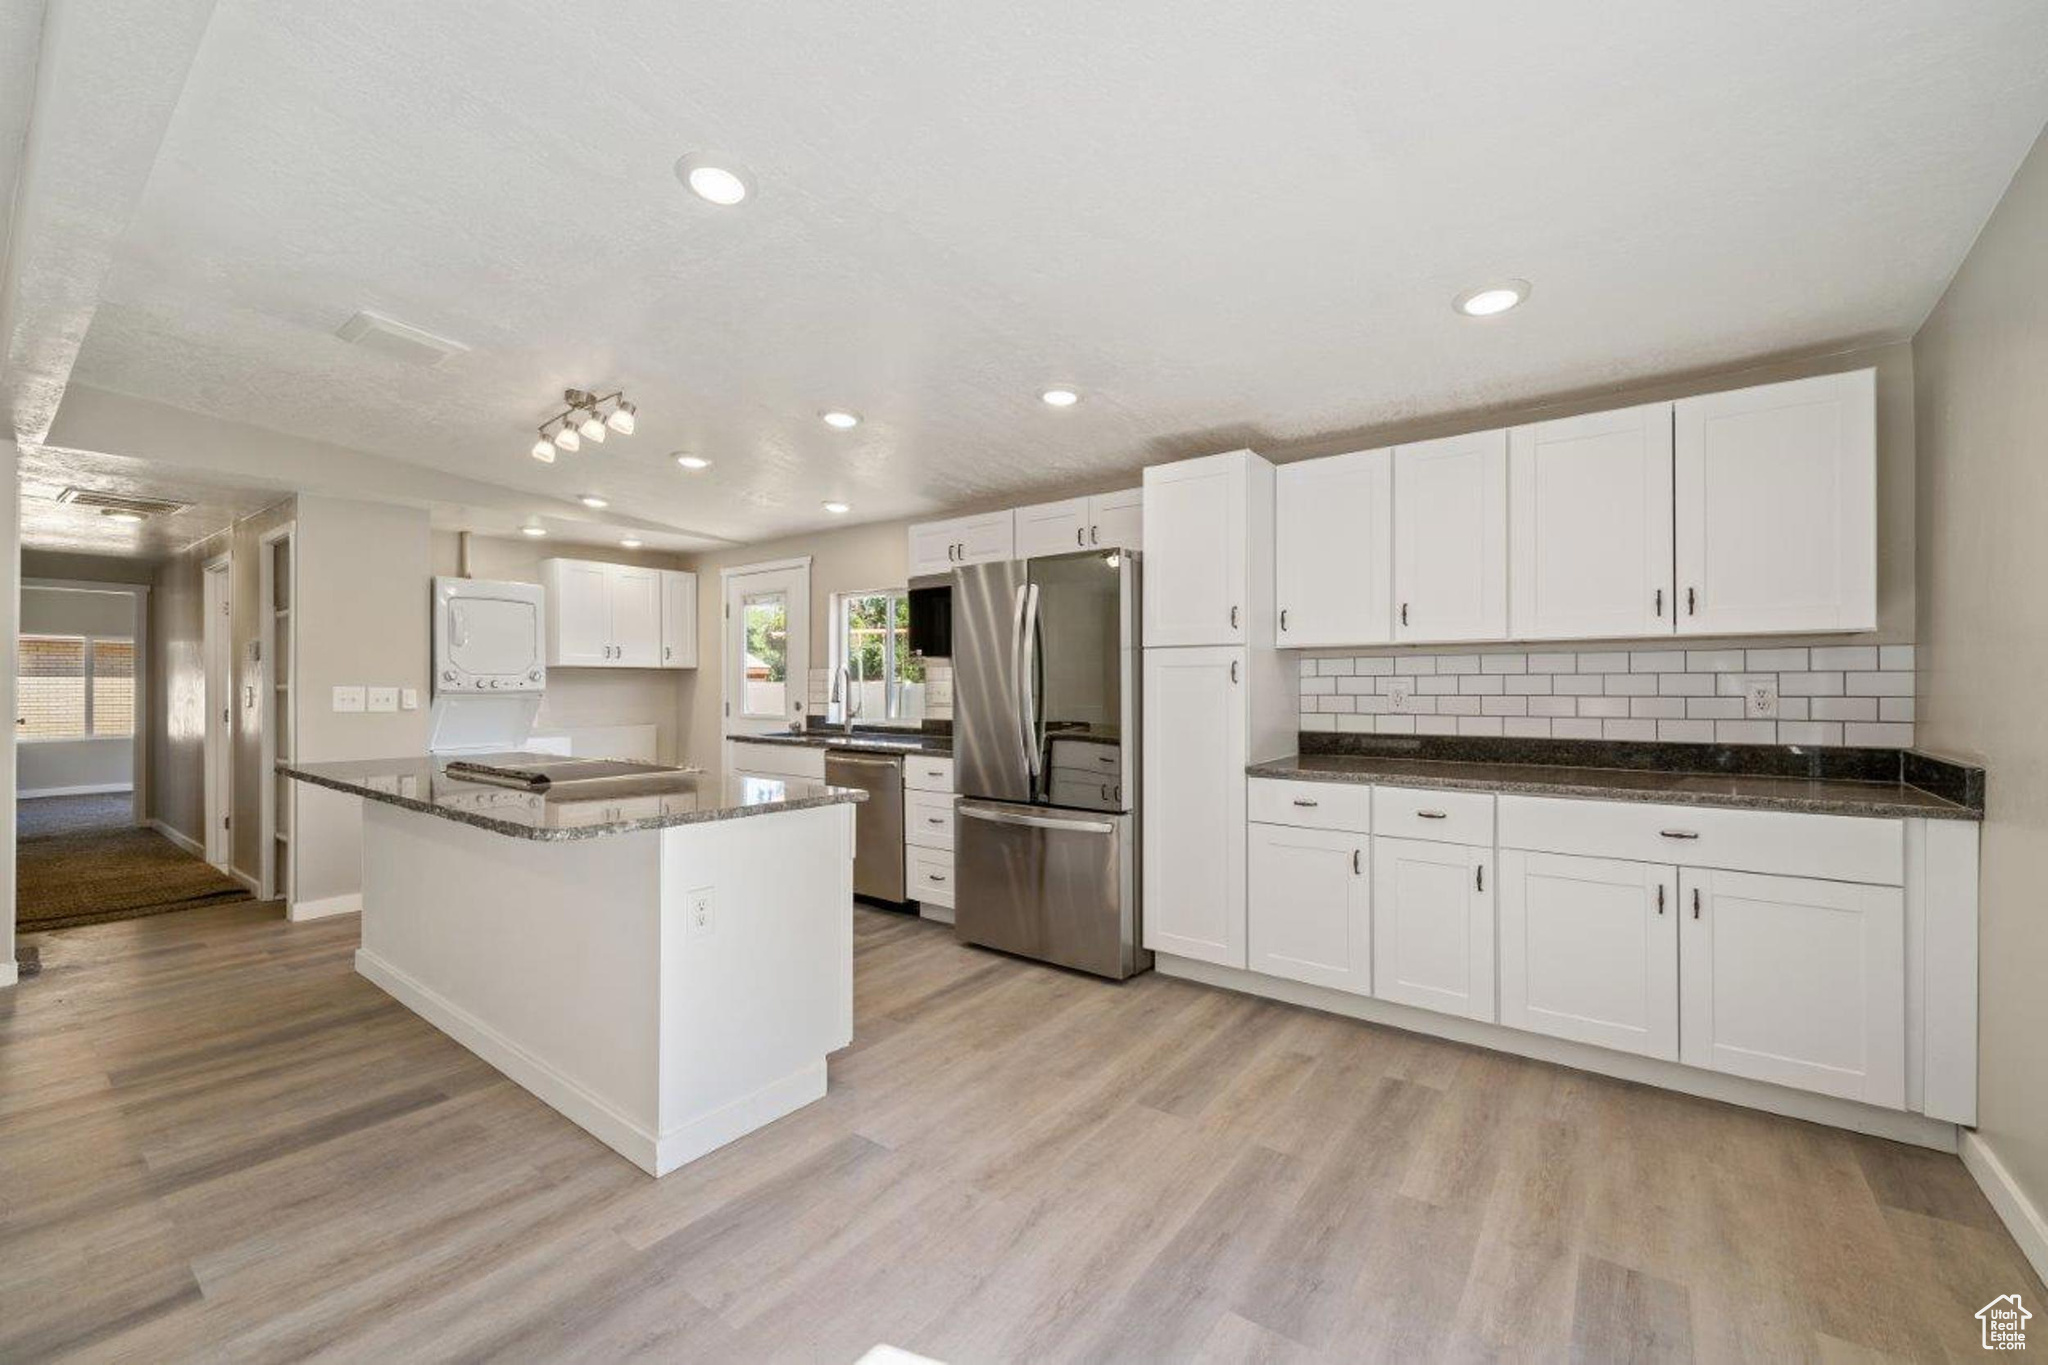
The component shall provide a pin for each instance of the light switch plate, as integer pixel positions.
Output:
(1760, 698)
(383, 699)
(349, 699)
(409, 699)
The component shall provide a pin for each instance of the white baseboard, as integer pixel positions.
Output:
(9, 973)
(708, 1132)
(102, 789)
(249, 883)
(348, 903)
(1916, 1129)
(180, 838)
(2021, 1216)
(567, 1098)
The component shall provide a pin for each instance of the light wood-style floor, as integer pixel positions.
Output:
(217, 1142)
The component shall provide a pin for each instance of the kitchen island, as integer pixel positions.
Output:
(665, 958)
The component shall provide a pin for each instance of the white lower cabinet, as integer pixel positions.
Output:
(1310, 906)
(1589, 951)
(1795, 981)
(1198, 738)
(1432, 926)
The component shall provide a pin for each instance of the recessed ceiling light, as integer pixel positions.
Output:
(535, 531)
(1060, 398)
(593, 501)
(838, 509)
(840, 419)
(714, 179)
(1490, 300)
(544, 450)
(121, 515)
(629, 544)
(692, 461)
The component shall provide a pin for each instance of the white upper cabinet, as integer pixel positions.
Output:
(1117, 520)
(1795, 981)
(1451, 539)
(938, 547)
(1590, 501)
(602, 615)
(1334, 550)
(1194, 835)
(1052, 528)
(1208, 544)
(1777, 507)
(678, 619)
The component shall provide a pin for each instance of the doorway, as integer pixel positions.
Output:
(217, 649)
(766, 661)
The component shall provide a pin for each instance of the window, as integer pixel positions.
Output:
(873, 642)
(72, 687)
(766, 618)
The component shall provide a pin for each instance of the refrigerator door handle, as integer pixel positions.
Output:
(1004, 817)
(1017, 674)
(1027, 691)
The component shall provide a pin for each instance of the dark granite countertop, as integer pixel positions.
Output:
(1824, 796)
(859, 742)
(577, 810)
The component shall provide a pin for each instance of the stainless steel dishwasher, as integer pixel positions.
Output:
(877, 822)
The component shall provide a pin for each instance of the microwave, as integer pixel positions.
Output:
(931, 616)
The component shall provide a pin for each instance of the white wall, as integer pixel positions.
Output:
(1982, 365)
(10, 618)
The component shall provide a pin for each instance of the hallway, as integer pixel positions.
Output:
(80, 860)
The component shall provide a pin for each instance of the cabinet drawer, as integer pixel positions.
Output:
(928, 819)
(1310, 805)
(787, 760)
(928, 874)
(1104, 761)
(927, 773)
(1446, 817)
(1842, 848)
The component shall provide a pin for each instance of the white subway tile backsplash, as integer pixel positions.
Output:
(1845, 657)
(1827, 694)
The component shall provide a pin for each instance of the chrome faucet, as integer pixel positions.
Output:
(848, 708)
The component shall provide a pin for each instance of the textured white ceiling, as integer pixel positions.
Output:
(46, 524)
(1221, 221)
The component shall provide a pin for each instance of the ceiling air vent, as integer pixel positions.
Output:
(120, 502)
(400, 341)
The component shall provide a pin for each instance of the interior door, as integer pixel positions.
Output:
(767, 646)
(1309, 912)
(1777, 507)
(1432, 926)
(1196, 580)
(1196, 736)
(583, 614)
(1589, 950)
(1591, 511)
(634, 595)
(1333, 550)
(1451, 539)
(1796, 981)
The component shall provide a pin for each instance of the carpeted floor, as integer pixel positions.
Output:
(75, 865)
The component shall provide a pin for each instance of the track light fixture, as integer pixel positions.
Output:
(583, 418)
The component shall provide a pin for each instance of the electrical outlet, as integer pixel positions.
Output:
(697, 913)
(349, 698)
(1399, 690)
(383, 699)
(1760, 698)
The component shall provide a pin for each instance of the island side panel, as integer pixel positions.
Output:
(539, 956)
(753, 999)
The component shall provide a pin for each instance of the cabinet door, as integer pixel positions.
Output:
(1195, 752)
(1451, 539)
(1052, 528)
(1798, 982)
(1590, 501)
(1117, 520)
(579, 614)
(1309, 908)
(1432, 926)
(1197, 571)
(934, 548)
(1589, 951)
(1777, 507)
(1334, 550)
(985, 539)
(635, 596)
(678, 619)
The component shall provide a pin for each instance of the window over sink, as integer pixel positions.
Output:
(876, 677)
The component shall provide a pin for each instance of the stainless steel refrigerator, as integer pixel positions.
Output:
(1045, 757)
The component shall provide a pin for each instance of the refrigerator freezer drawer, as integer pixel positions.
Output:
(1055, 886)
